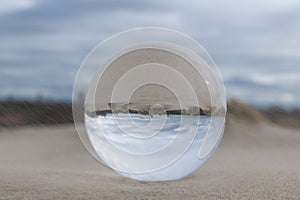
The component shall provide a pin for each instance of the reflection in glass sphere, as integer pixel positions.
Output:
(154, 104)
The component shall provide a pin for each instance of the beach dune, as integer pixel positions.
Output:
(254, 161)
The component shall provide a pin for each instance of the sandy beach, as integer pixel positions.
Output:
(254, 161)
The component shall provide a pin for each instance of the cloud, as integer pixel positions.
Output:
(8, 6)
(40, 39)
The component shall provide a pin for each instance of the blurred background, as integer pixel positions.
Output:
(255, 44)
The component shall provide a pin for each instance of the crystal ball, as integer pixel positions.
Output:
(152, 104)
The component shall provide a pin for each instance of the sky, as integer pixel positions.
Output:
(255, 44)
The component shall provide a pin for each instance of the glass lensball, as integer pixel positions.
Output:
(153, 104)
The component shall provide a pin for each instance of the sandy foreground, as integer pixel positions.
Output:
(254, 161)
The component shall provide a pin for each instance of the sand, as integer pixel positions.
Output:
(254, 161)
